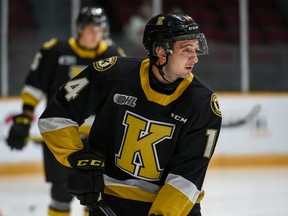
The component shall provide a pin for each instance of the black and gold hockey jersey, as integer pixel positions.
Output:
(55, 63)
(157, 145)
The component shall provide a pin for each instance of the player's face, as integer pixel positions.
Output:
(90, 36)
(182, 60)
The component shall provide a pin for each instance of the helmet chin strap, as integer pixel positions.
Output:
(160, 67)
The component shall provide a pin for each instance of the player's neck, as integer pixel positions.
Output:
(168, 79)
(162, 87)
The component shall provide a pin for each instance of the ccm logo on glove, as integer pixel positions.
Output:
(95, 163)
(87, 159)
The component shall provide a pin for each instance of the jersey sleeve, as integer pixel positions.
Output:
(74, 102)
(41, 72)
(183, 185)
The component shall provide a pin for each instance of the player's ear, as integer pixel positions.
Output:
(160, 52)
(79, 30)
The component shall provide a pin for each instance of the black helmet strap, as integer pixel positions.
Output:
(160, 67)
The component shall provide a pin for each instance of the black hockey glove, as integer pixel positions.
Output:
(19, 131)
(87, 182)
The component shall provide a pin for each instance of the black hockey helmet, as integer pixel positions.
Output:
(92, 15)
(164, 29)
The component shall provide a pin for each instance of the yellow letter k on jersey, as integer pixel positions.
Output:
(138, 155)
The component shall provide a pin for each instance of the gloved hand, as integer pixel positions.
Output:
(19, 131)
(87, 182)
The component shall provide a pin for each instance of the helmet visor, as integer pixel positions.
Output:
(202, 48)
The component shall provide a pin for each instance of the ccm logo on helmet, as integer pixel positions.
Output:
(193, 27)
(94, 163)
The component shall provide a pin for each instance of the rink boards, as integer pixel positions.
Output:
(254, 133)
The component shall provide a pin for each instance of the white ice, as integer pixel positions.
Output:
(229, 192)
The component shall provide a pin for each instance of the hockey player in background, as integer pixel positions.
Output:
(57, 62)
(155, 129)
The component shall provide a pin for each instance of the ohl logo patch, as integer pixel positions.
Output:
(125, 100)
(105, 64)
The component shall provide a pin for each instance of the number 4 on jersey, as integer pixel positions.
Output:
(74, 87)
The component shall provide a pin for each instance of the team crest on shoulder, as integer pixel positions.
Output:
(215, 105)
(105, 64)
(48, 44)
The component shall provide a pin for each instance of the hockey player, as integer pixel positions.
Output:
(155, 129)
(57, 62)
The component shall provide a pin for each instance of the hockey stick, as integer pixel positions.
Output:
(102, 205)
(248, 117)
(104, 208)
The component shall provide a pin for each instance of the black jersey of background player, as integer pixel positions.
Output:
(57, 62)
(145, 135)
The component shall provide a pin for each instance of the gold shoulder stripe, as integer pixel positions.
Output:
(215, 105)
(105, 64)
(49, 44)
